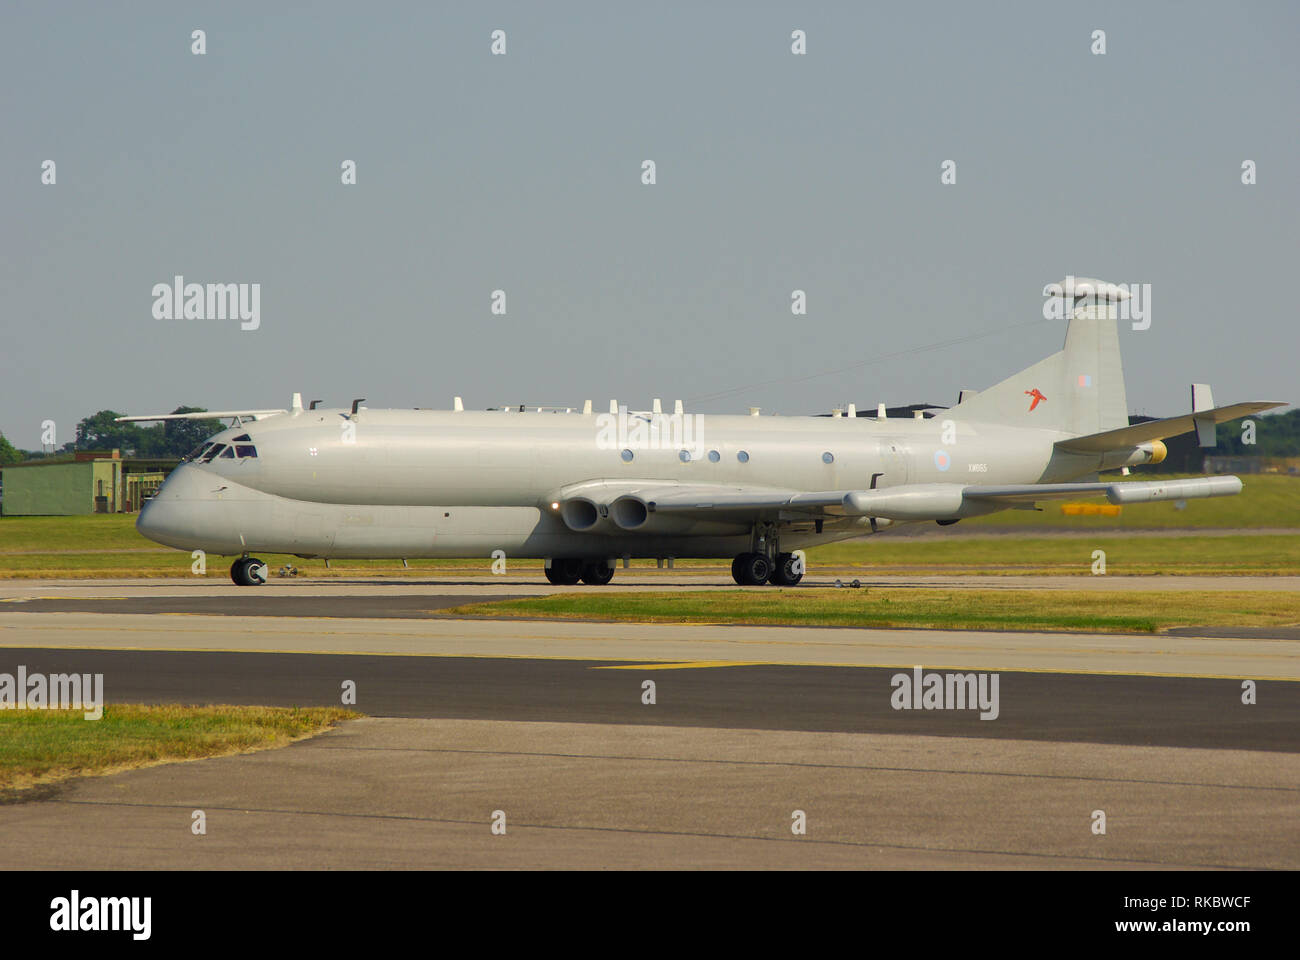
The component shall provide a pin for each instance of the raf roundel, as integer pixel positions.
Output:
(941, 460)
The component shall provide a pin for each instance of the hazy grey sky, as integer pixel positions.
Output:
(523, 173)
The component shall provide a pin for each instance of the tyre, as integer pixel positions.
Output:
(256, 572)
(597, 573)
(754, 569)
(238, 574)
(735, 569)
(564, 572)
(787, 571)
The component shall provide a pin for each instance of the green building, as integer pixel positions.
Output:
(91, 482)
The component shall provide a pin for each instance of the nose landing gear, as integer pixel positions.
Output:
(248, 572)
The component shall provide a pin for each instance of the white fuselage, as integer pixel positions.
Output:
(426, 483)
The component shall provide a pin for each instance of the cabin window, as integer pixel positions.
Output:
(743, 457)
(828, 457)
(684, 456)
(714, 456)
(627, 456)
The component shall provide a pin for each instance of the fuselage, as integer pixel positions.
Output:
(427, 483)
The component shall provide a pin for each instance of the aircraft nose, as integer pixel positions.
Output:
(168, 518)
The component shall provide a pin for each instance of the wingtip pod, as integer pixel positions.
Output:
(1191, 489)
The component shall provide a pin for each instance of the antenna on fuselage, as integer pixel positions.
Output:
(355, 403)
(313, 404)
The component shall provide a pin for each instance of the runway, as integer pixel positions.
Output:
(532, 583)
(548, 721)
(1146, 711)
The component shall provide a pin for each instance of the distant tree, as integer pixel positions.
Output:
(8, 454)
(179, 437)
(1276, 435)
(168, 438)
(99, 432)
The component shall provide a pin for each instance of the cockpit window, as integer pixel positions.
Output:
(228, 453)
(214, 452)
(242, 436)
(198, 451)
(245, 450)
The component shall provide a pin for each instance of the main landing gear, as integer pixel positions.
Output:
(248, 572)
(564, 572)
(766, 563)
(754, 569)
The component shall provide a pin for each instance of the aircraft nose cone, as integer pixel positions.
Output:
(168, 517)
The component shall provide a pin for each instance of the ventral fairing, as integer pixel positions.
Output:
(581, 490)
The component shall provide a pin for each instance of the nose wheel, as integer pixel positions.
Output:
(248, 572)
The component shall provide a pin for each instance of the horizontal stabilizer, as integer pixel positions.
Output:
(1131, 436)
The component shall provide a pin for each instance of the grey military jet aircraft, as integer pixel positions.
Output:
(581, 490)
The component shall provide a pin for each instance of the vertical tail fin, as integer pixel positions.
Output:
(1079, 390)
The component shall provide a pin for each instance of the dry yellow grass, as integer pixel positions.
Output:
(39, 747)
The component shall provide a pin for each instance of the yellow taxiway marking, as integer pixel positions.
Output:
(684, 665)
(640, 665)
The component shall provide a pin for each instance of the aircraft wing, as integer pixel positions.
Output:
(1124, 437)
(203, 415)
(916, 501)
(1131, 491)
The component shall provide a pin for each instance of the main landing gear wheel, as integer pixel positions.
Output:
(751, 569)
(565, 572)
(787, 571)
(248, 572)
(597, 573)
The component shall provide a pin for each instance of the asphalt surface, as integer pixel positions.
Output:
(396, 793)
(1148, 711)
(545, 723)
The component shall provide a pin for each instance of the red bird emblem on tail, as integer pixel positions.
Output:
(1036, 395)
